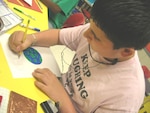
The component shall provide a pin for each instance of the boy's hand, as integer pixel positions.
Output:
(15, 41)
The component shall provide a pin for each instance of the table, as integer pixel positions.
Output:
(41, 18)
(23, 86)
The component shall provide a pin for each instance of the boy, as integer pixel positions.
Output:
(105, 75)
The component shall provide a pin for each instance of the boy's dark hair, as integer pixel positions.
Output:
(125, 22)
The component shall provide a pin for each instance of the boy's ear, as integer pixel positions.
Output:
(127, 52)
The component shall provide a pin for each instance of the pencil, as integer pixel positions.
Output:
(20, 2)
(25, 33)
(24, 36)
(24, 13)
(38, 1)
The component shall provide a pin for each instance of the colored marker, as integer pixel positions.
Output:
(30, 27)
(24, 13)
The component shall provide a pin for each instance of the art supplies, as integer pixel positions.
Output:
(9, 18)
(13, 102)
(30, 27)
(24, 36)
(24, 13)
(35, 6)
(23, 67)
(29, 2)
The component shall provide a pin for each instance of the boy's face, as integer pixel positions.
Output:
(100, 43)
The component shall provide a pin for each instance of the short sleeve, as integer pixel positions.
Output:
(72, 36)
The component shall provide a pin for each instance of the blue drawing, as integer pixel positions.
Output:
(33, 55)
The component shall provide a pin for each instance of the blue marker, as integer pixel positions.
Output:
(30, 27)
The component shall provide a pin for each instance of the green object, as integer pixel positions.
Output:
(24, 13)
(57, 20)
(18, 10)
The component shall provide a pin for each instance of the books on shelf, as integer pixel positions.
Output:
(13, 102)
(9, 18)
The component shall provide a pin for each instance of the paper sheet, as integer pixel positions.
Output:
(22, 3)
(21, 67)
(9, 18)
(5, 99)
(28, 2)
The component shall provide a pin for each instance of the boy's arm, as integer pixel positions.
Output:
(46, 38)
(48, 83)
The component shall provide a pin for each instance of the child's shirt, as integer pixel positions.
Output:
(100, 88)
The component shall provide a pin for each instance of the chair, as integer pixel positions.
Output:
(74, 20)
(147, 49)
(86, 14)
(147, 79)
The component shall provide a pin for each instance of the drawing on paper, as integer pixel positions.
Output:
(21, 67)
(33, 55)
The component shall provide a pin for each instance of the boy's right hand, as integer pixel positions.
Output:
(15, 41)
